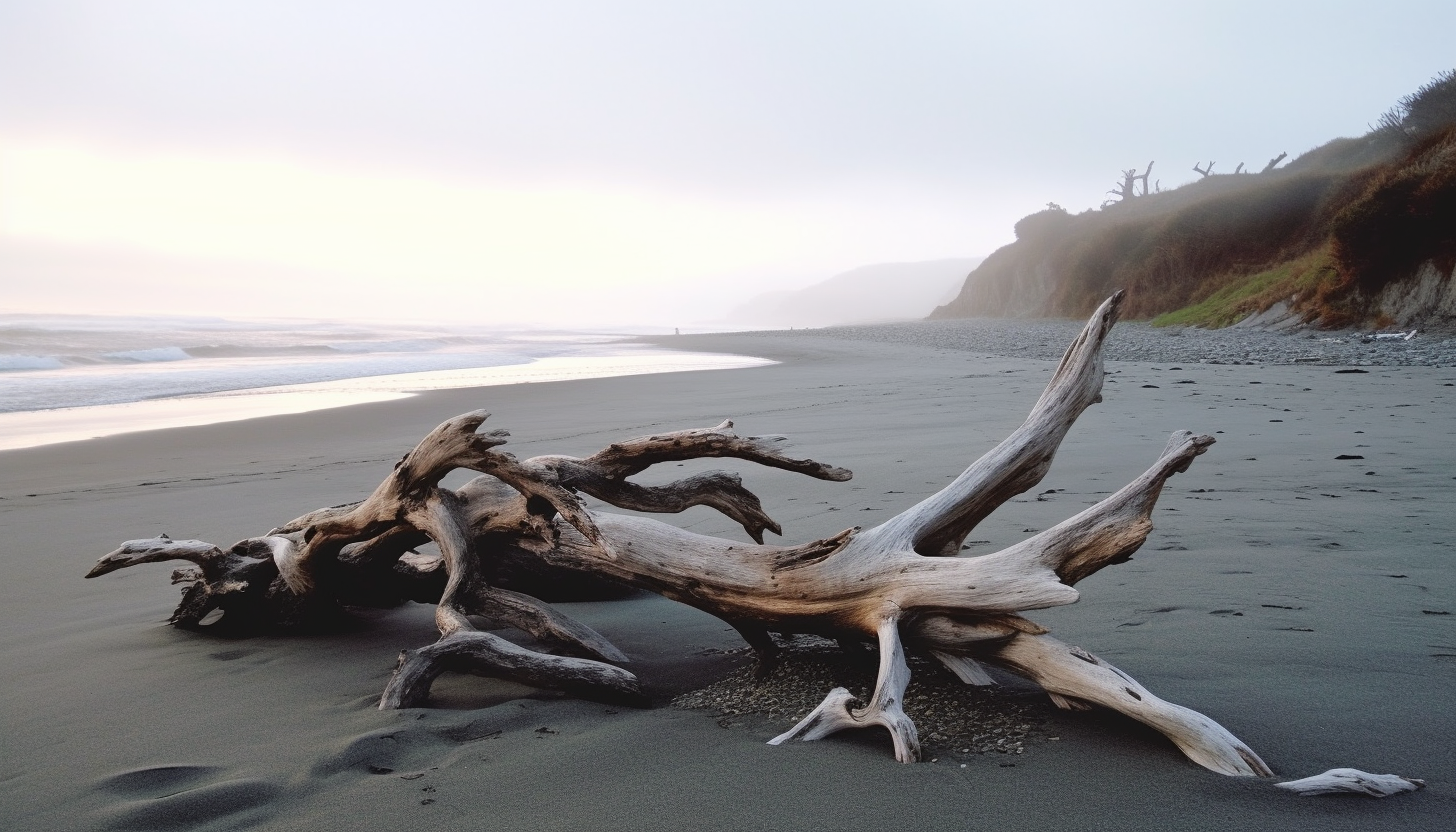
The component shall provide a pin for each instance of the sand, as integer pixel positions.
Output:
(1307, 603)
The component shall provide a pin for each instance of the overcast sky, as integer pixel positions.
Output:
(615, 162)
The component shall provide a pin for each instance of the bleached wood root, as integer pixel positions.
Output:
(491, 655)
(533, 616)
(886, 706)
(1353, 781)
(603, 474)
(462, 647)
(1068, 704)
(241, 584)
(1074, 674)
(965, 668)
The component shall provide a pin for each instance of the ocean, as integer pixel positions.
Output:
(65, 377)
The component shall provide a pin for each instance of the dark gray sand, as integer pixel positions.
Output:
(1306, 602)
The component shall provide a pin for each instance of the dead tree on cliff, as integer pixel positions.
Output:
(898, 584)
(1273, 163)
(1128, 187)
(1204, 172)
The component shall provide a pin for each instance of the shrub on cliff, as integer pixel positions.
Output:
(1054, 219)
(1425, 112)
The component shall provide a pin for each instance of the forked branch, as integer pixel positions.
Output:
(939, 524)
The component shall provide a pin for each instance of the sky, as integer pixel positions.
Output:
(648, 163)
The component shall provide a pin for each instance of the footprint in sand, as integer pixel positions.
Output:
(157, 779)
(183, 797)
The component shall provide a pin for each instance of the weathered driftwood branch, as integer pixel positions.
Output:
(898, 584)
(1075, 676)
(1353, 781)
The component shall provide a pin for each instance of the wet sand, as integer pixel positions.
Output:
(1305, 602)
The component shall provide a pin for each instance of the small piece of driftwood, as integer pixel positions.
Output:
(1353, 781)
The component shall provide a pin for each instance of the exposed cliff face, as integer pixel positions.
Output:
(1023, 287)
(1424, 300)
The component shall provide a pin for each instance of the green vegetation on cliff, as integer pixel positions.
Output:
(1325, 233)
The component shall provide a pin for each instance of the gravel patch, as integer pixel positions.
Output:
(952, 717)
(1135, 341)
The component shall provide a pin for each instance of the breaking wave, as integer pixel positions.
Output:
(155, 354)
(61, 361)
(29, 362)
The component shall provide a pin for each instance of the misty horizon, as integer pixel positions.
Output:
(644, 165)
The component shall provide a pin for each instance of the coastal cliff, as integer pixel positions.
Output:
(1357, 232)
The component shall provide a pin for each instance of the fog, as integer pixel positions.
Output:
(654, 163)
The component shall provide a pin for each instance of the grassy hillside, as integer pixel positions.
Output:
(1328, 232)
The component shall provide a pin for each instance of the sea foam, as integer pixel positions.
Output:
(29, 362)
(155, 354)
(68, 378)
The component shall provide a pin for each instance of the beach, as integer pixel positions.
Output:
(1305, 602)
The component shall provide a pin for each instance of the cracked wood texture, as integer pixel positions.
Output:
(897, 585)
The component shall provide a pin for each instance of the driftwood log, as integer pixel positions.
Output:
(898, 584)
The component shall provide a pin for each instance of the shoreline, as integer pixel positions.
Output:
(34, 428)
(1046, 339)
(1284, 593)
